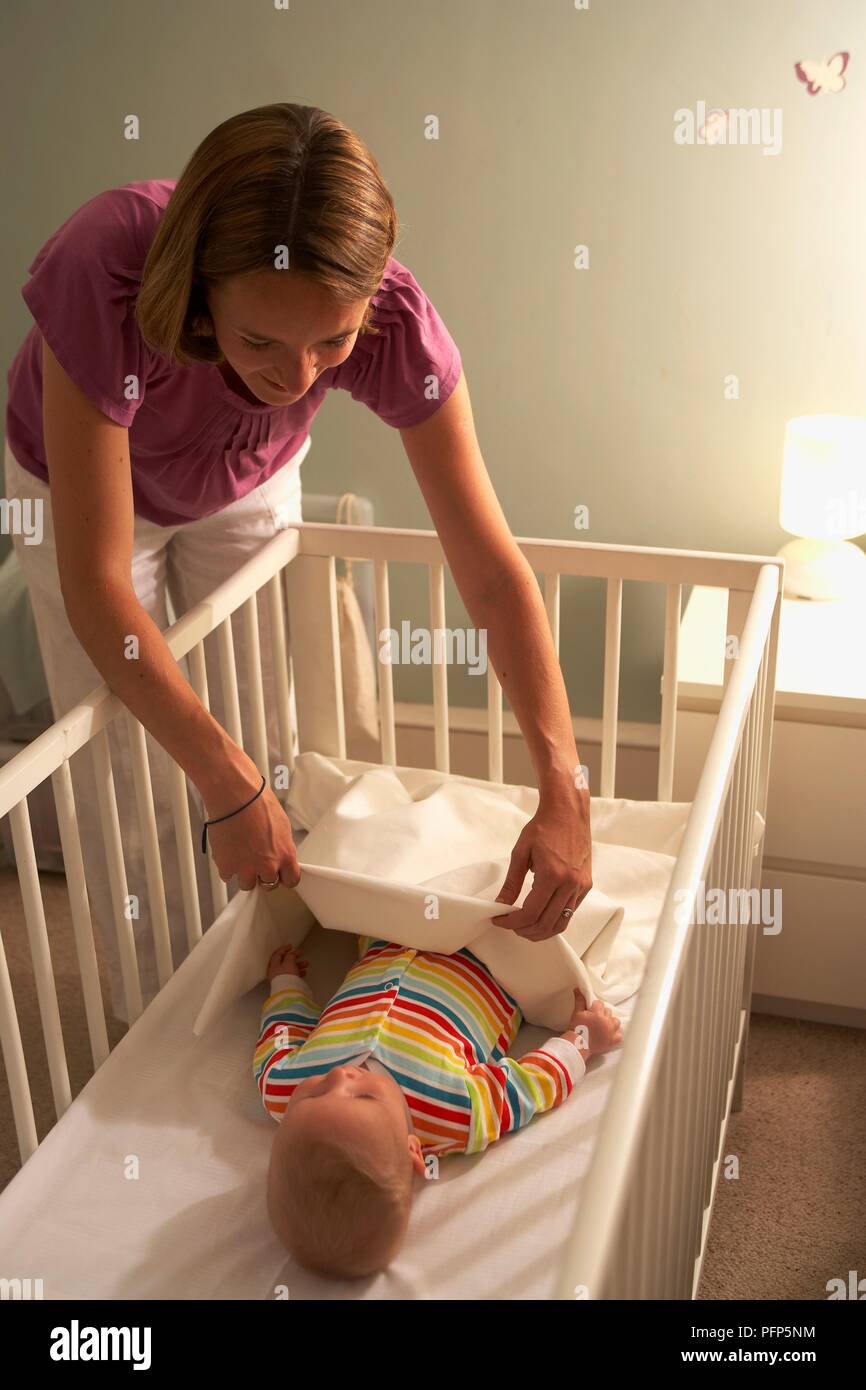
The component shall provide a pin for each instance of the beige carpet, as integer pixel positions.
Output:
(793, 1219)
(796, 1216)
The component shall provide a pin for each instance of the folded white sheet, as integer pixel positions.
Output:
(417, 857)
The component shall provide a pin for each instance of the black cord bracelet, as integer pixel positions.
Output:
(216, 820)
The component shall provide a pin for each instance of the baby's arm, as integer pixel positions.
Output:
(512, 1092)
(289, 1015)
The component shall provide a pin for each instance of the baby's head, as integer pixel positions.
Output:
(341, 1174)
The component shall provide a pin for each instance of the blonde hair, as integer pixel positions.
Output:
(333, 1212)
(279, 175)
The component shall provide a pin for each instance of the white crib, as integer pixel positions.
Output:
(647, 1197)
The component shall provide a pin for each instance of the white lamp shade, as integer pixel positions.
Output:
(824, 477)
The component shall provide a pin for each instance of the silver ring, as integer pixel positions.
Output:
(567, 912)
(269, 886)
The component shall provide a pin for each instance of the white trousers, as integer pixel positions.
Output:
(184, 563)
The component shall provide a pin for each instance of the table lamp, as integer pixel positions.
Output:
(823, 503)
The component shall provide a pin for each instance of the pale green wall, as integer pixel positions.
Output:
(602, 386)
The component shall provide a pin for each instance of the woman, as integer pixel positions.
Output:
(185, 336)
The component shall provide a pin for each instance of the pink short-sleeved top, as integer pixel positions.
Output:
(195, 444)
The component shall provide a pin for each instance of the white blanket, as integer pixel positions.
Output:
(418, 857)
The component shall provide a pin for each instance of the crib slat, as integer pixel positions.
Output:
(436, 580)
(650, 1165)
(198, 681)
(610, 713)
(150, 846)
(735, 618)
(551, 604)
(314, 641)
(663, 1278)
(675, 1161)
(82, 924)
(731, 931)
(282, 692)
(16, 1065)
(752, 874)
(113, 841)
(250, 616)
(661, 1281)
(697, 1092)
(183, 839)
(734, 930)
(229, 679)
(687, 1092)
(384, 670)
(707, 1036)
(712, 1026)
(494, 726)
(40, 955)
(626, 1254)
(722, 932)
(743, 872)
(669, 693)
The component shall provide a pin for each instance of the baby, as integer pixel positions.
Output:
(407, 1060)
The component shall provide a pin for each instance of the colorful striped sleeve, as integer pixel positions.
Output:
(506, 1095)
(289, 1015)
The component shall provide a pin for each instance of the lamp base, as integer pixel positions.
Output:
(823, 569)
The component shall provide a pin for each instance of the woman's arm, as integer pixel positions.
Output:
(92, 508)
(501, 594)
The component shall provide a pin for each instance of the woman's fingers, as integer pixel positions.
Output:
(541, 915)
(536, 900)
(290, 874)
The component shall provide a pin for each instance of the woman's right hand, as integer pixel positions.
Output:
(255, 843)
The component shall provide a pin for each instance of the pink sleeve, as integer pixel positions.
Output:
(81, 293)
(407, 370)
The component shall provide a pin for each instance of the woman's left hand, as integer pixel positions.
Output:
(556, 845)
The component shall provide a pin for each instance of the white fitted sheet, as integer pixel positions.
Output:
(193, 1224)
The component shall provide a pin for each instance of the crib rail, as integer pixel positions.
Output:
(687, 1038)
(647, 1200)
(49, 755)
(321, 718)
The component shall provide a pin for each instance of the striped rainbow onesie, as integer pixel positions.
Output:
(439, 1024)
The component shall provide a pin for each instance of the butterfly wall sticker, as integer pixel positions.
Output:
(823, 77)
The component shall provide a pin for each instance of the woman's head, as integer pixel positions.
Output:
(273, 242)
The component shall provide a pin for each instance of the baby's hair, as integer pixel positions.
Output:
(336, 1215)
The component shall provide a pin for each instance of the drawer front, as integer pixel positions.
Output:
(820, 953)
(817, 800)
(816, 805)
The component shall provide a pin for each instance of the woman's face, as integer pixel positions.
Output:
(279, 330)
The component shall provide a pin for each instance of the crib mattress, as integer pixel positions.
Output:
(152, 1184)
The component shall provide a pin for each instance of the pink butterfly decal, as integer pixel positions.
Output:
(823, 77)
